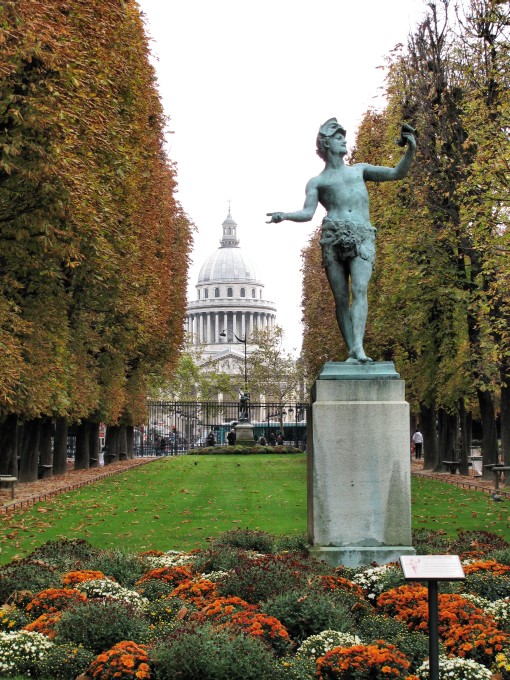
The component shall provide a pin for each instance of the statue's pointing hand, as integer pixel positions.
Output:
(275, 217)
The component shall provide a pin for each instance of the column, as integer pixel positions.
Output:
(243, 325)
(208, 331)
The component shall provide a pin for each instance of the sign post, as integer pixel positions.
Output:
(432, 569)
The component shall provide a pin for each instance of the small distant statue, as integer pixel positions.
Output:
(348, 238)
(244, 406)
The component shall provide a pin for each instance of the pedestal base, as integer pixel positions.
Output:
(359, 489)
(244, 434)
(357, 557)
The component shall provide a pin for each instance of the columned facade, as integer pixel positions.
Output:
(229, 298)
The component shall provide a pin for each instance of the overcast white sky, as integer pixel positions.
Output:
(246, 86)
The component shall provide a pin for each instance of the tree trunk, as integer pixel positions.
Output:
(112, 444)
(122, 442)
(429, 431)
(465, 439)
(130, 439)
(94, 444)
(60, 447)
(447, 437)
(45, 450)
(81, 457)
(489, 435)
(505, 427)
(29, 462)
(8, 446)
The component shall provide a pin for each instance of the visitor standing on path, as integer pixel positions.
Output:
(417, 440)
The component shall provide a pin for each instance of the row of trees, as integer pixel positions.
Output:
(94, 246)
(439, 299)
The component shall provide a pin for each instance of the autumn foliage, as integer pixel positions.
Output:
(94, 246)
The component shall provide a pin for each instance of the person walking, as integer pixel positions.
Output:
(231, 437)
(417, 440)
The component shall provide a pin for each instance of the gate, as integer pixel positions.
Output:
(174, 427)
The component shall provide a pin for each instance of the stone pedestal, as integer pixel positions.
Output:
(244, 434)
(359, 496)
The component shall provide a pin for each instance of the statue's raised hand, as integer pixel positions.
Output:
(407, 136)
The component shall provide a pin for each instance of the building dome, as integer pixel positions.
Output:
(228, 263)
(225, 265)
(230, 298)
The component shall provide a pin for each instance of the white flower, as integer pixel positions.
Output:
(19, 650)
(456, 669)
(317, 645)
(98, 588)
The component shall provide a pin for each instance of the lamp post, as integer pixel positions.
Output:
(244, 341)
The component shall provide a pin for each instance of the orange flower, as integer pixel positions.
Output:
(123, 661)
(53, 600)
(487, 565)
(74, 577)
(199, 592)
(363, 661)
(45, 624)
(168, 574)
(340, 583)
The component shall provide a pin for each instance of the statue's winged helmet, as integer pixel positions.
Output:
(327, 129)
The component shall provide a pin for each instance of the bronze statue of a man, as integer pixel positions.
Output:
(348, 238)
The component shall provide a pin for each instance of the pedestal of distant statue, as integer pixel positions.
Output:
(359, 496)
(244, 434)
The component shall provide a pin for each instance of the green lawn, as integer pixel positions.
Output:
(180, 502)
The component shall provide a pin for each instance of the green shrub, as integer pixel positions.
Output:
(26, 575)
(65, 554)
(487, 585)
(308, 614)
(481, 542)
(100, 624)
(125, 568)
(155, 588)
(427, 542)
(245, 539)
(501, 556)
(298, 668)
(257, 579)
(12, 618)
(413, 644)
(239, 450)
(221, 558)
(64, 661)
(293, 542)
(211, 654)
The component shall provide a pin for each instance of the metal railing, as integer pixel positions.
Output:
(175, 427)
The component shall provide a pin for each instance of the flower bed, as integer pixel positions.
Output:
(279, 616)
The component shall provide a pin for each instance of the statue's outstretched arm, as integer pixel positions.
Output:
(308, 211)
(380, 173)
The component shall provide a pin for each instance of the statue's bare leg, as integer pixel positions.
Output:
(361, 271)
(338, 277)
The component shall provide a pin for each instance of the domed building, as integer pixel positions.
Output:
(229, 302)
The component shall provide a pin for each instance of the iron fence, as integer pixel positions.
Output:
(174, 427)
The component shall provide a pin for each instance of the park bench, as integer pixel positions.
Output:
(44, 470)
(452, 465)
(9, 481)
(498, 471)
